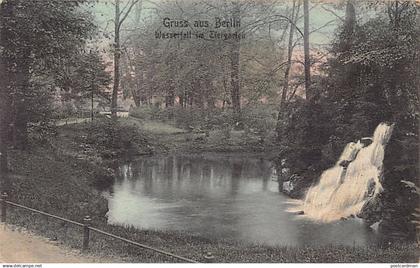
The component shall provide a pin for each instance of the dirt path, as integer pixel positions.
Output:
(23, 247)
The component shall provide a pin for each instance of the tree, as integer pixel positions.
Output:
(120, 17)
(89, 78)
(307, 64)
(371, 78)
(35, 37)
(4, 127)
(290, 48)
(235, 65)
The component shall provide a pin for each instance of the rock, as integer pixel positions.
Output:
(294, 186)
(300, 212)
(371, 188)
(366, 141)
(397, 204)
(344, 163)
(396, 229)
(413, 190)
(371, 211)
(288, 187)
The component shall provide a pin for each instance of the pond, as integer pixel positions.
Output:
(220, 196)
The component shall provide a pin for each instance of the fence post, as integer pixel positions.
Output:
(209, 257)
(86, 225)
(3, 206)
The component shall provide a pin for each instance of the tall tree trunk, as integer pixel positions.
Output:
(209, 93)
(348, 27)
(117, 56)
(417, 63)
(150, 83)
(134, 85)
(290, 47)
(181, 100)
(21, 84)
(140, 92)
(170, 94)
(235, 85)
(234, 73)
(4, 124)
(308, 91)
(134, 88)
(4, 116)
(92, 95)
(17, 62)
(350, 19)
(136, 96)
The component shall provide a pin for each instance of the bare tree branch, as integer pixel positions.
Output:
(127, 12)
(332, 12)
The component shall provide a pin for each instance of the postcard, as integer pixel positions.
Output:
(209, 131)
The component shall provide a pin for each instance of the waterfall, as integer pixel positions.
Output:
(343, 189)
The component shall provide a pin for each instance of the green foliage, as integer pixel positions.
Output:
(44, 31)
(304, 130)
(380, 85)
(203, 119)
(199, 72)
(81, 76)
(371, 77)
(145, 112)
(259, 120)
(148, 112)
(37, 37)
(114, 139)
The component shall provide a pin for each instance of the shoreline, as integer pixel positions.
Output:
(70, 194)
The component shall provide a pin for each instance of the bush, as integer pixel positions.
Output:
(65, 110)
(146, 112)
(259, 120)
(41, 133)
(113, 138)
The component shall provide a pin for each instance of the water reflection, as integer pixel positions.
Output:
(221, 197)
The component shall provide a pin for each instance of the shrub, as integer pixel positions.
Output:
(41, 132)
(259, 120)
(113, 138)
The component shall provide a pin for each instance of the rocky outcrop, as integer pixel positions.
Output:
(371, 212)
(397, 217)
(295, 186)
(393, 209)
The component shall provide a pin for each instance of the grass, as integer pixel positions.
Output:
(167, 138)
(152, 127)
(160, 128)
(195, 247)
(59, 180)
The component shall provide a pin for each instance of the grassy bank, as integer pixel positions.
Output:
(58, 179)
(167, 138)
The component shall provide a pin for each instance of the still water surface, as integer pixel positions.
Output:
(219, 196)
